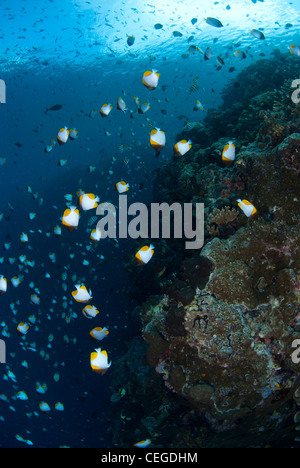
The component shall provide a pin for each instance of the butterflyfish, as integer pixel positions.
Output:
(150, 79)
(157, 140)
(63, 136)
(70, 218)
(182, 147)
(99, 333)
(88, 201)
(81, 294)
(228, 153)
(144, 255)
(122, 187)
(249, 210)
(105, 109)
(90, 311)
(99, 361)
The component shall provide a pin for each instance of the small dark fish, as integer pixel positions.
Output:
(231, 69)
(240, 54)
(220, 60)
(193, 49)
(258, 34)
(130, 40)
(214, 22)
(177, 34)
(189, 125)
(18, 144)
(288, 26)
(164, 112)
(194, 88)
(158, 26)
(54, 108)
(207, 53)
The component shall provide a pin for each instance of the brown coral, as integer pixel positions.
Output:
(224, 216)
(222, 222)
(273, 129)
(229, 339)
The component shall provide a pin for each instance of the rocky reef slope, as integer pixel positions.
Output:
(220, 324)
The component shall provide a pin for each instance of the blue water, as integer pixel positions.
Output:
(75, 53)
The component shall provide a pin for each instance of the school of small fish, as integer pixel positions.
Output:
(89, 201)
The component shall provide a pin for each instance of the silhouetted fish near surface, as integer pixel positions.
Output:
(130, 40)
(214, 22)
(54, 108)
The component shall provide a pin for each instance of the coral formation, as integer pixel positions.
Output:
(252, 97)
(220, 326)
(222, 221)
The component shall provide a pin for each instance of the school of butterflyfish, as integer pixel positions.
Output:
(100, 362)
(81, 294)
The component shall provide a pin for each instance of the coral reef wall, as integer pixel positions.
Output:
(220, 328)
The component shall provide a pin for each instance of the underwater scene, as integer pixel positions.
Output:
(149, 224)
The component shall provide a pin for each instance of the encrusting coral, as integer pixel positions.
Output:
(220, 221)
